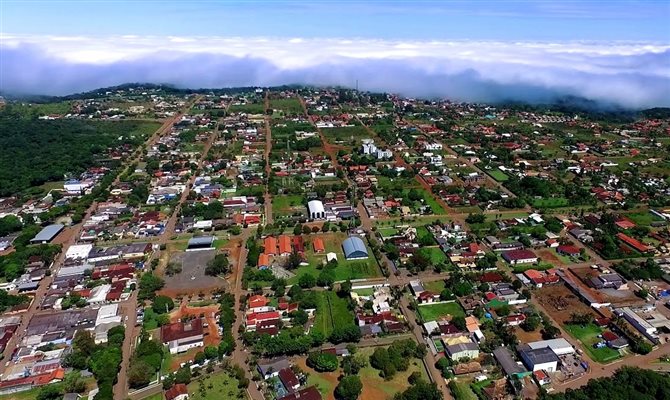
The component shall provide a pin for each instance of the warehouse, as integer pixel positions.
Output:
(354, 248)
(47, 234)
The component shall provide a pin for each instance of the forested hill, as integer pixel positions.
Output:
(37, 151)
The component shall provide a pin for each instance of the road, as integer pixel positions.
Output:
(240, 355)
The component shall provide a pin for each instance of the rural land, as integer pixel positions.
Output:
(303, 243)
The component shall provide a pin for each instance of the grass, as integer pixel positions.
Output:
(436, 286)
(370, 376)
(432, 312)
(331, 311)
(525, 267)
(644, 219)
(250, 108)
(364, 292)
(218, 243)
(156, 396)
(553, 202)
(387, 232)
(437, 256)
(462, 391)
(27, 395)
(291, 106)
(48, 186)
(286, 202)
(213, 387)
(498, 175)
(588, 335)
(43, 109)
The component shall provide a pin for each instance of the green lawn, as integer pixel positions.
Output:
(588, 335)
(461, 391)
(437, 256)
(291, 106)
(370, 376)
(542, 266)
(498, 175)
(331, 311)
(644, 219)
(553, 202)
(214, 387)
(285, 203)
(436, 286)
(250, 108)
(432, 312)
(324, 386)
(27, 395)
(364, 292)
(387, 232)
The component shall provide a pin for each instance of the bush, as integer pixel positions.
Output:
(162, 304)
(322, 362)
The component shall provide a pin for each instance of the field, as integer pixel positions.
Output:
(248, 108)
(192, 278)
(560, 302)
(588, 335)
(437, 256)
(290, 106)
(331, 311)
(642, 218)
(432, 312)
(214, 386)
(435, 286)
(461, 391)
(284, 204)
(553, 202)
(542, 266)
(498, 175)
(346, 134)
(377, 388)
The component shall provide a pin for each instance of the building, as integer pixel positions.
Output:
(512, 368)
(284, 245)
(539, 359)
(271, 368)
(310, 393)
(200, 243)
(522, 256)
(568, 250)
(182, 336)
(354, 248)
(289, 379)
(318, 245)
(270, 246)
(177, 392)
(560, 346)
(47, 234)
(608, 281)
(316, 210)
(78, 252)
(263, 261)
(462, 350)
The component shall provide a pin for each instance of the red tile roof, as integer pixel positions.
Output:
(288, 378)
(176, 390)
(318, 245)
(270, 244)
(284, 244)
(634, 243)
(181, 330)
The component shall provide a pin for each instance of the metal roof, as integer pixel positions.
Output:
(200, 241)
(506, 360)
(538, 356)
(353, 246)
(48, 233)
(315, 206)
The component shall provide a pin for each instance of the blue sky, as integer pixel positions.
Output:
(474, 19)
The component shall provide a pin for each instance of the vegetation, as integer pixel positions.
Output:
(396, 357)
(349, 388)
(322, 362)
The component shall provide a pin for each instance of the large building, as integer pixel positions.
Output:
(537, 359)
(47, 234)
(182, 336)
(354, 248)
(316, 210)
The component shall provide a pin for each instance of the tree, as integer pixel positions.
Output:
(219, 265)
(183, 375)
(149, 284)
(352, 364)
(345, 288)
(550, 332)
(531, 323)
(322, 362)
(162, 304)
(307, 281)
(139, 374)
(299, 317)
(459, 322)
(50, 392)
(73, 383)
(349, 388)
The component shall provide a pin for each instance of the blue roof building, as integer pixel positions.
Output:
(354, 248)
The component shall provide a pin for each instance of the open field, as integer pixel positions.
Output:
(498, 175)
(553, 202)
(588, 335)
(192, 278)
(432, 312)
(435, 286)
(250, 108)
(377, 388)
(437, 256)
(331, 311)
(214, 387)
(560, 302)
(642, 218)
(290, 106)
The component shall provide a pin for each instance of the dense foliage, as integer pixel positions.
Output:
(37, 151)
(626, 383)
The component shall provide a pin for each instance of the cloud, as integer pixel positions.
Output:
(629, 74)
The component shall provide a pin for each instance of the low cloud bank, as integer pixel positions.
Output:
(632, 75)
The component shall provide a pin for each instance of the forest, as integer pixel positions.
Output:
(38, 151)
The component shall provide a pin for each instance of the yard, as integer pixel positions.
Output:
(541, 266)
(284, 204)
(435, 286)
(462, 391)
(437, 256)
(215, 386)
(588, 335)
(433, 312)
(377, 388)
(290, 106)
(498, 175)
(331, 311)
(642, 218)
(249, 108)
(553, 202)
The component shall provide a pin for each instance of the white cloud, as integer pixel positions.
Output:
(628, 73)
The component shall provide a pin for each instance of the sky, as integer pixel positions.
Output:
(614, 51)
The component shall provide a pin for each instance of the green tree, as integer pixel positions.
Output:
(349, 388)
(162, 304)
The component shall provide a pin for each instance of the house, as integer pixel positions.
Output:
(634, 243)
(256, 317)
(289, 379)
(608, 281)
(515, 320)
(284, 245)
(541, 377)
(568, 250)
(177, 392)
(263, 261)
(310, 393)
(522, 256)
(614, 341)
(428, 297)
(539, 278)
(257, 301)
(271, 368)
(512, 368)
(539, 359)
(462, 350)
(182, 336)
(318, 245)
(270, 246)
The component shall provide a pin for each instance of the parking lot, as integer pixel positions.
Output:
(192, 278)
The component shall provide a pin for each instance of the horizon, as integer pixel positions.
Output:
(525, 51)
